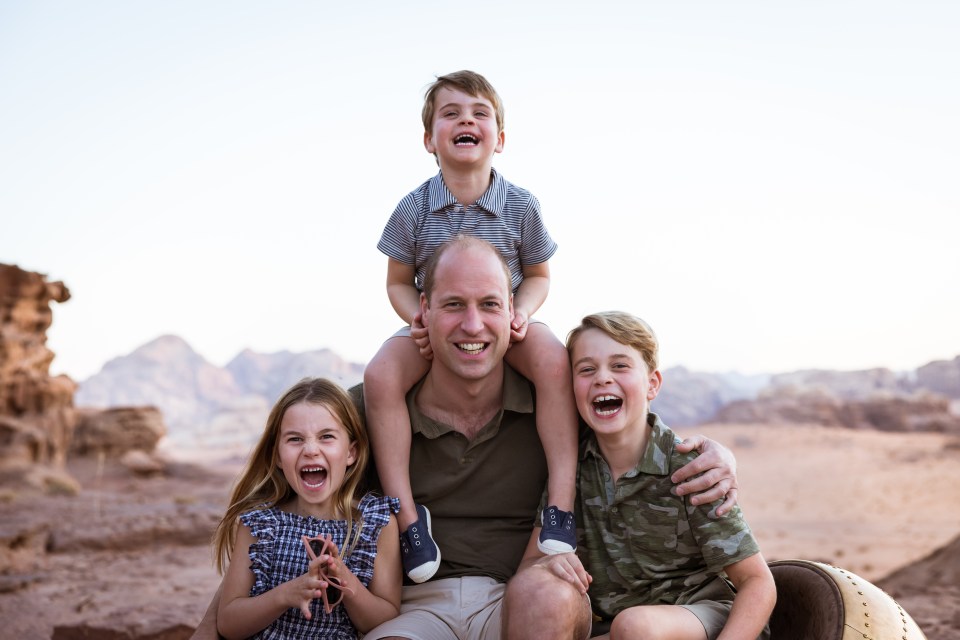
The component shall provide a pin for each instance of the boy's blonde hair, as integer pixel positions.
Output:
(626, 329)
(469, 82)
(262, 484)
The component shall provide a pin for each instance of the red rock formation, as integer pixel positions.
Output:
(36, 410)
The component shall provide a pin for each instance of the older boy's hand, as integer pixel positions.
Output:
(710, 476)
(419, 334)
(518, 326)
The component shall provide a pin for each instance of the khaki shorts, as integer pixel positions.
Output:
(453, 608)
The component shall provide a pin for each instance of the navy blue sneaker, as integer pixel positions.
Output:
(418, 552)
(559, 532)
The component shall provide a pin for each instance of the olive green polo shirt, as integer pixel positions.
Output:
(483, 494)
(641, 543)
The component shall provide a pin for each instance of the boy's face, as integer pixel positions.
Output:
(611, 383)
(464, 132)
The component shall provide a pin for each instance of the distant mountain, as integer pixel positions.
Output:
(205, 405)
(225, 407)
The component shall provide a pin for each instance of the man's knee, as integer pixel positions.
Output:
(538, 604)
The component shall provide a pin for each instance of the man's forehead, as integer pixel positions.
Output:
(476, 261)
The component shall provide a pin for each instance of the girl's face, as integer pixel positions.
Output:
(314, 451)
(611, 383)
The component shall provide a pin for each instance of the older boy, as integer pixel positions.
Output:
(655, 561)
(463, 128)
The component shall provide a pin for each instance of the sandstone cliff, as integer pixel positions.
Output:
(36, 410)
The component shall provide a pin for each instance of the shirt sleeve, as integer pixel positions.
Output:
(399, 238)
(536, 245)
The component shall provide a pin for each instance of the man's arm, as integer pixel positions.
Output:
(710, 476)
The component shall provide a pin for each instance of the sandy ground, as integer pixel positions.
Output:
(128, 558)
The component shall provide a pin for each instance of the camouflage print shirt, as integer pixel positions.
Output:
(641, 543)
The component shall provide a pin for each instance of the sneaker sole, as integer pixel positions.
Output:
(552, 547)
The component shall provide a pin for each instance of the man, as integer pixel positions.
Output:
(477, 465)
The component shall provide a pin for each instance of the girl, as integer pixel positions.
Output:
(292, 509)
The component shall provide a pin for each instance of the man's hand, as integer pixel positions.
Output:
(567, 567)
(709, 477)
(419, 334)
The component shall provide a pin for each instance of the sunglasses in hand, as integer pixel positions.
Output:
(332, 594)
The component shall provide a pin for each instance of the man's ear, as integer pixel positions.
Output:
(424, 309)
(656, 379)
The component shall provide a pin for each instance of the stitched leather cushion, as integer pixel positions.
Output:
(817, 601)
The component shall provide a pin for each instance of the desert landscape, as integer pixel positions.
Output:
(106, 513)
(128, 555)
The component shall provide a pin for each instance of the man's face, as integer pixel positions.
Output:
(464, 131)
(468, 316)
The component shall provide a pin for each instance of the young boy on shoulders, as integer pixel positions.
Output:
(463, 128)
(656, 562)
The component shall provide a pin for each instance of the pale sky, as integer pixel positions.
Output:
(773, 186)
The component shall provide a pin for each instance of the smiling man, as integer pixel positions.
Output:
(478, 465)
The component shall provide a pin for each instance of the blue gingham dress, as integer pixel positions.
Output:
(278, 555)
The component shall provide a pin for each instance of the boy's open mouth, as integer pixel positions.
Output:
(607, 405)
(472, 348)
(313, 476)
(465, 139)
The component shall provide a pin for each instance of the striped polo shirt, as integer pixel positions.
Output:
(505, 215)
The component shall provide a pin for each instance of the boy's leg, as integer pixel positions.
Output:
(392, 372)
(658, 622)
(543, 360)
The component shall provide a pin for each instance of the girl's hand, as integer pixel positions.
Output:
(518, 326)
(419, 334)
(300, 592)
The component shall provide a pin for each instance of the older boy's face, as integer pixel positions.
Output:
(611, 383)
(464, 131)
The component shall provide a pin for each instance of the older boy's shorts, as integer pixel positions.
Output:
(712, 604)
(469, 608)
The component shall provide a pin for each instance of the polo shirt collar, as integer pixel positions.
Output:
(517, 397)
(493, 200)
(655, 460)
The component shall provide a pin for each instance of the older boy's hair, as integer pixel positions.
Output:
(464, 242)
(469, 82)
(626, 329)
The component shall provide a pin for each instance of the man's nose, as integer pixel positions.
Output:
(472, 321)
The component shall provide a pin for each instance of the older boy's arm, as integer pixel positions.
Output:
(529, 297)
(207, 629)
(401, 290)
(710, 476)
(755, 599)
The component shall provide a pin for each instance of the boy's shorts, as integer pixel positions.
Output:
(469, 608)
(711, 604)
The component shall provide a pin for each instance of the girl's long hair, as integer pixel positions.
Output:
(262, 485)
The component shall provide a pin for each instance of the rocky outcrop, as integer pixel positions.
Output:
(36, 410)
(117, 431)
(819, 405)
(941, 376)
(842, 384)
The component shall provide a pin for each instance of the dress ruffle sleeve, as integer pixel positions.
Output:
(263, 525)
